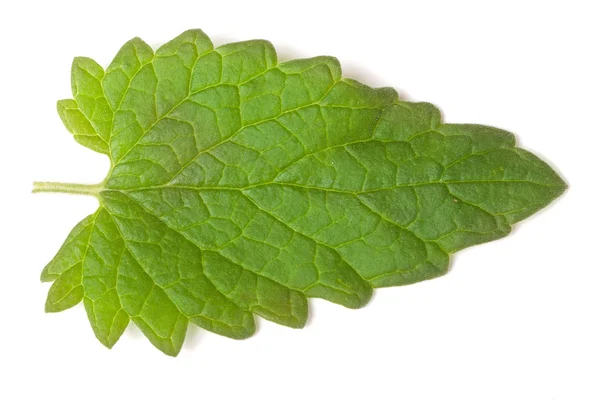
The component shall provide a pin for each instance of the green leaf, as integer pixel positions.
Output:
(240, 185)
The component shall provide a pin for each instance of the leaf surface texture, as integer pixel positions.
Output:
(242, 186)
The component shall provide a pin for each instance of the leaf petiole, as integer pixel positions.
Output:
(73, 188)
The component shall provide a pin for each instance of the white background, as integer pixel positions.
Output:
(514, 319)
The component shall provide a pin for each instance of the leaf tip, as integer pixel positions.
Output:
(361, 298)
(50, 307)
(139, 45)
(46, 276)
(88, 65)
(107, 342)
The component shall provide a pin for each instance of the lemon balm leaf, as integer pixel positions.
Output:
(241, 186)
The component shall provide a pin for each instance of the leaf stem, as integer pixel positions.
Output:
(73, 188)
